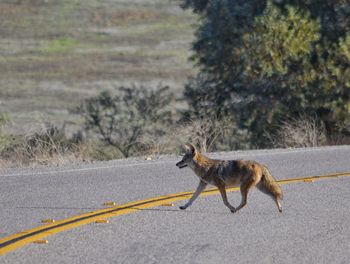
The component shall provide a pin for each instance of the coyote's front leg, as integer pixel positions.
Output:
(224, 197)
(200, 188)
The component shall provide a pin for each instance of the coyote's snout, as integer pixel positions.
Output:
(229, 173)
(187, 158)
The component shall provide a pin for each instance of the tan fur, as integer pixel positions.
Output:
(230, 173)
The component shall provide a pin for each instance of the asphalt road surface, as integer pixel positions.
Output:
(313, 228)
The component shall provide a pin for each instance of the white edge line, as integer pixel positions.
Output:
(168, 161)
(81, 169)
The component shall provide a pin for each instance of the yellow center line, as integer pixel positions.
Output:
(23, 238)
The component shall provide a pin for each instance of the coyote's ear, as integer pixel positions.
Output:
(190, 149)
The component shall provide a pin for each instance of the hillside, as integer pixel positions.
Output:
(55, 53)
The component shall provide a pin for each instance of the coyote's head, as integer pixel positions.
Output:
(190, 152)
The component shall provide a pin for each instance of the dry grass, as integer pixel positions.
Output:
(303, 132)
(42, 145)
(203, 132)
(207, 133)
(35, 146)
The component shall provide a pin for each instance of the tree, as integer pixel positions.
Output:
(268, 61)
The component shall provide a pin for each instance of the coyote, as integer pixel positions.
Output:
(229, 173)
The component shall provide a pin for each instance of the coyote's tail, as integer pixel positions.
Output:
(269, 185)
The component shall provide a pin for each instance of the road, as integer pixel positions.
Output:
(313, 227)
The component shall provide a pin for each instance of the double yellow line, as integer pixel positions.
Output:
(20, 239)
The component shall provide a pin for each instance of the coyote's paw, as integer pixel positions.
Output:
(183, 207)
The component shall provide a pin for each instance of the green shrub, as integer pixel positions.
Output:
(124, 118)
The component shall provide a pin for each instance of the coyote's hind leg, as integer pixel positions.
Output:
(245, 187)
